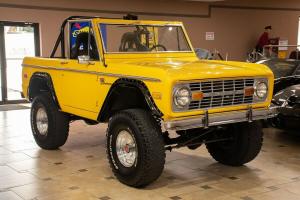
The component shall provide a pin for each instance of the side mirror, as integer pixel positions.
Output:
(84, 59)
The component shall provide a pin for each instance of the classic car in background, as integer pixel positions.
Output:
(286, 92)
(204, 54)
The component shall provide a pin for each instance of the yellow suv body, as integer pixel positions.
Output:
(107, 66)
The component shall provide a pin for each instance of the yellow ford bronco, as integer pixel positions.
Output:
(144, 79)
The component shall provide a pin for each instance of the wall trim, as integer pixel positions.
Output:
(210, 7)
(7, 5)
(254, 8)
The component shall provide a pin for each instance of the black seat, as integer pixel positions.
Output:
(130, 42)
(295, 55)
(81, 47)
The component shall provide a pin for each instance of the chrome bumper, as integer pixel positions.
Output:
(217, 119)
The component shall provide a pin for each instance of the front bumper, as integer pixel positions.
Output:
(217, 119)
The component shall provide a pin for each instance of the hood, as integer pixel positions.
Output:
(202, 69)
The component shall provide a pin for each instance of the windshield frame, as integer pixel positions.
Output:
(186, 38)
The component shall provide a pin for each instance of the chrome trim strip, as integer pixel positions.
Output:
(91, 72)
(212, 94)
(217, 119)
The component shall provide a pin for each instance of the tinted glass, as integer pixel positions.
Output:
(82, 41)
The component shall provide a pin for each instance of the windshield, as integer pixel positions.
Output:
(123, 38)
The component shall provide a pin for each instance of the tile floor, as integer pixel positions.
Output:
(79, 170)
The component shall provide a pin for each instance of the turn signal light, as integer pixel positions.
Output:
(156, 95)
(197, 96)
(249, 91)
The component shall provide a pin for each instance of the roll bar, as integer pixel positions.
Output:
(61, 37)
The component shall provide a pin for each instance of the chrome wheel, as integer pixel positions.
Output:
(126, 148)
(42, 121)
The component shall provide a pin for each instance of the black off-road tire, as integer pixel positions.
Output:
(58, 123)
(147, 134)
(245, 145)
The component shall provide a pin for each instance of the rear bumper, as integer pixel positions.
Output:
(217, 119)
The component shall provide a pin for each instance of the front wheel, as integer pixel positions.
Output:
(244, 144)
(135, 147)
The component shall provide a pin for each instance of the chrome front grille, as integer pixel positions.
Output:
(218, 93)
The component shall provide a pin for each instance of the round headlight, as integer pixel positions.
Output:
(261, 89)
(182, 97)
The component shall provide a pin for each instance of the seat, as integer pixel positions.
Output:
(130, 42)
(295, 55)
(81, 47)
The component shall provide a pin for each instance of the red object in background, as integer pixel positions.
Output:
(263, 40)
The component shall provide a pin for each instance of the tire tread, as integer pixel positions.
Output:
(247, 148)
(153, 150)
(59, 129)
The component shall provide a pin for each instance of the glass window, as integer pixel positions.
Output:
(82, 41)
(19, 43)
(143, 38)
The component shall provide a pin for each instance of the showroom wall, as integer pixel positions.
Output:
(236, 25)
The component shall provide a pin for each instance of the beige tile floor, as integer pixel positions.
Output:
(79, 170)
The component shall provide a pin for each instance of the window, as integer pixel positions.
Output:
(82, 40)
(17, 40)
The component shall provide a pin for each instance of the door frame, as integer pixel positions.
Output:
(3, 63)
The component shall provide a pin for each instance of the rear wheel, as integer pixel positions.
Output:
(135, 147)
(244, 144)
(50, 127)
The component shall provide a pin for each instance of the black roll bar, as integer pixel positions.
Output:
(61, 37)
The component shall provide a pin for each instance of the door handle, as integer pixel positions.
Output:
(64, 62)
